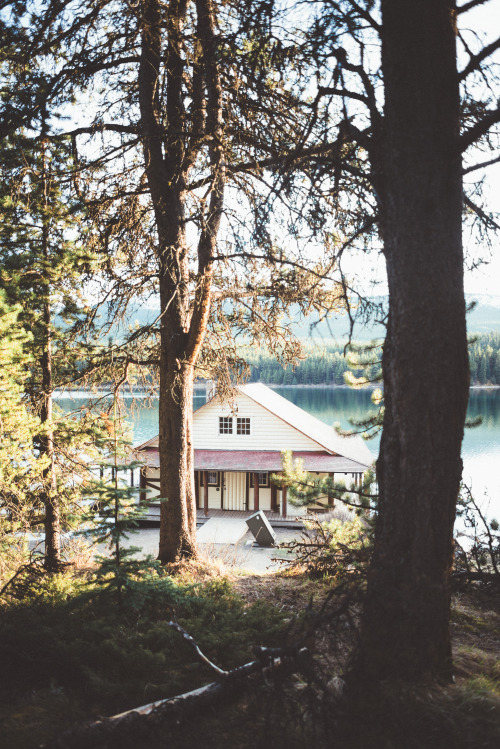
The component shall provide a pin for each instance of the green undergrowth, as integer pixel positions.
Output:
(465, 716)
(69, 651)
(294, 715)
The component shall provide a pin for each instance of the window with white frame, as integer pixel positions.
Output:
(263, 479)
(225, 424)
(243, 425)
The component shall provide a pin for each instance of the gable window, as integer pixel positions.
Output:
(263, 479)
(213, 478)
(225, 424)
(242, 425)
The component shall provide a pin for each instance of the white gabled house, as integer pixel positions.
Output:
(238, 445)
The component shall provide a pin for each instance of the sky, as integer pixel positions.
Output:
(485, 279)
(368, 271)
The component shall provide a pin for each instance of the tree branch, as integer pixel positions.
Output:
(293, 157)
(191, 641)
(148, 80)
(471, 4)
(476, 60)
(491, 223)
(138, 721)
(481, 165)
(330, 91)
(32, 564)
(473, 134)
(365, 15)
(99, 128)
(341, 55)
(210, 224)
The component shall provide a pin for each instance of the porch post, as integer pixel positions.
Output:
(330, 497)
(142, 484)
(222, 479)
(255, 492)
(283, 500)
(205, 493)
(274, 497)
(197, 488)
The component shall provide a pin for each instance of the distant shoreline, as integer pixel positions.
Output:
(140, 393)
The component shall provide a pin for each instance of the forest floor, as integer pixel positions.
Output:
(72, 652)
(475, 622)
(295, 714)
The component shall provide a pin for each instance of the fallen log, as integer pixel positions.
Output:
(482, 577)
(140, 723)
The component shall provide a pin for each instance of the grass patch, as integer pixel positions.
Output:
(471, 620)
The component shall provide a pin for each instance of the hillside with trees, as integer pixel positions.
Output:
(328, 364)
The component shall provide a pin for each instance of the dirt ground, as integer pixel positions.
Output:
(242, 557)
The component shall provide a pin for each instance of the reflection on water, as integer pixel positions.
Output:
(481, 446)
(481, 450)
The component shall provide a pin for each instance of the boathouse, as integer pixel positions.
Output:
(238, 445)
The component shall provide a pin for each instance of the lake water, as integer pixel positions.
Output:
(481, 446)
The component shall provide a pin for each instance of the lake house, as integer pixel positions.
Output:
(238, 446)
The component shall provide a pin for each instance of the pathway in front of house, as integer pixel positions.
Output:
(241, 556)
(222, 531)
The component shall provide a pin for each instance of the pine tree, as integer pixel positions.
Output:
(21, 471)
(41, 271)
(482, 373)
(114, 512)
(497, 368)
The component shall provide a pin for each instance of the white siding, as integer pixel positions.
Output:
(235, 485)
(234, 494)
(268, 432)
(213, 497)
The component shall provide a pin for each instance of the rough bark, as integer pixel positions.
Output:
(425, 365)
(170, 150)
(52, 521)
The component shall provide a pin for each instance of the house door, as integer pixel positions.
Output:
(234, 491)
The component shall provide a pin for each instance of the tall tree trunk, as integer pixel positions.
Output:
(169, 152)
(52, 522)
(405, 629)
(178, 516)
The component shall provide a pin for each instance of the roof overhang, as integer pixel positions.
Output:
(261, 461)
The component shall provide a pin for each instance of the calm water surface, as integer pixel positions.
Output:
(480, 452)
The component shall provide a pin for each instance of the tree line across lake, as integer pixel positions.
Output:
(328, 364)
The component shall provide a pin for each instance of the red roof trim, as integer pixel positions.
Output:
(263, 461)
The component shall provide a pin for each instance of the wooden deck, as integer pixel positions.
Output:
(152, 516)
(274, 518)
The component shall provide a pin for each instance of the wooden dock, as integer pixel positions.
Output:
(152, 517)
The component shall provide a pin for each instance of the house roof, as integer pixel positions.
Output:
(350, 448)
(262, 461)
(353, 448)
(151, 443)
